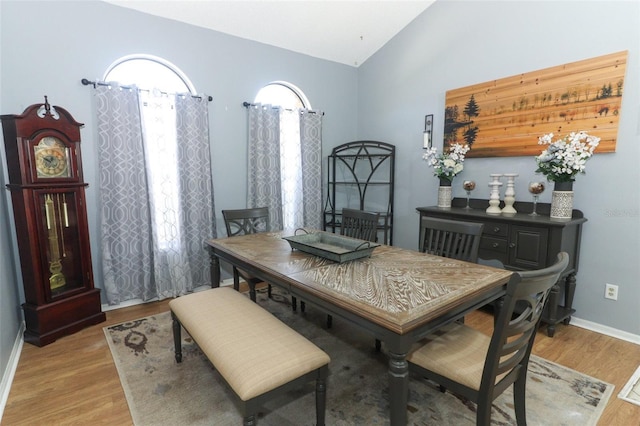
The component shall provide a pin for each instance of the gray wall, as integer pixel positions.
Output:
(459, 43)
(10, 315)
(48, 47)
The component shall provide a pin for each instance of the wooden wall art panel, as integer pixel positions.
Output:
(505, 117)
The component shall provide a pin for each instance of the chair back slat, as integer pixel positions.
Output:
(246, 221)
(360, 224)
(450, 238)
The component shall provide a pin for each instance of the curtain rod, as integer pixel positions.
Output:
(86, 82)
(249, 104)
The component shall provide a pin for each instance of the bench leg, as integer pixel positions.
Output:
(321, 396)
(177, 339)
(249, 420)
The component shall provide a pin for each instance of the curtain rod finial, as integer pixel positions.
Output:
(86, 82)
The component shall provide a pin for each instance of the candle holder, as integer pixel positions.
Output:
(494, 197)
(510, 194)
(535, 188)
(468, 186)
(428, 131)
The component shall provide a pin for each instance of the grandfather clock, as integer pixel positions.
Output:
(48, 195)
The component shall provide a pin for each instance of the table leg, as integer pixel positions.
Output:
(570, 290)
(398, 388)
(214, 268)
(552, 306)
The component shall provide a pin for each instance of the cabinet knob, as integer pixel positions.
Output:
(495, 245)
(496, 229)
(512, 245)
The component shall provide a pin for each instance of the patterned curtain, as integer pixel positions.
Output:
(152, 229)
(311, 153)
(285, 165)
(196, 186)
(264, 162)
(127, 247)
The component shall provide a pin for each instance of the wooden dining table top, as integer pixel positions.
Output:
(396, 288)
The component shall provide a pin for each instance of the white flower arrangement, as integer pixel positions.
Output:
(564, 158)
(449, 164)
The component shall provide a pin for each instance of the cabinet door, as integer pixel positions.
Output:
(528, 247)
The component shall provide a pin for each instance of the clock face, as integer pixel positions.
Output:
(52, 158)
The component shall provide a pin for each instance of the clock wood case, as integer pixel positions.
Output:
(48, 197)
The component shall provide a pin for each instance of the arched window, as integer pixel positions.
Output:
(283, 94)
(149, 72)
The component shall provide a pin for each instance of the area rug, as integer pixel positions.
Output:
(161, 392)
(631, 390)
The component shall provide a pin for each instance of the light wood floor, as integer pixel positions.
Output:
(74, 381)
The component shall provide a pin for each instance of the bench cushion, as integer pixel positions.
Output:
(254, 351)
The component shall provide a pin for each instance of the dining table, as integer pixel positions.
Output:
(398, 295)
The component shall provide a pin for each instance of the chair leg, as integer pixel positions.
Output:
(269, 291)
(294, 303)
(249, 420)
(519, 399)
(303, 306)
(321, 400)
(329, 321)
(378, 345)
(483, 415)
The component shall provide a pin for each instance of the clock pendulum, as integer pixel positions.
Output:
(57, 279)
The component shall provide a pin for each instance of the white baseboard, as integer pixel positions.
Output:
(10, 371)
(608, 331)
(133, 302)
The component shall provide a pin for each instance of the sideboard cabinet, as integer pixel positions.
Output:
(523, 242)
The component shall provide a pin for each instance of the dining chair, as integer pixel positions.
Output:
(479, 367)
(358, 224)
(454, 239)
(243, 222)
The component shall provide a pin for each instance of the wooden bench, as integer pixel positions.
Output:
(256, 354)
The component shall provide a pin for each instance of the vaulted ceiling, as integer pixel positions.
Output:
(347, 32)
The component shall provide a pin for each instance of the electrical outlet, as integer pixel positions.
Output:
(611, 291)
